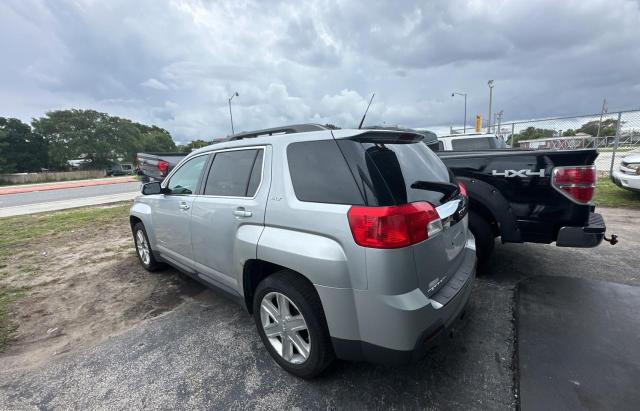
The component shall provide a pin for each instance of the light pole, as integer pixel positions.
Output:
(230, 113)
(465, 109)
(490, 83)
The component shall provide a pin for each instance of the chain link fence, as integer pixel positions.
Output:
(614, 135)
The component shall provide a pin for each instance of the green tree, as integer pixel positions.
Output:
(568, 133)
(156, 139)
(607, 128)
(21, 150)
(532, 133)
(97, 137)
(332, 126)
(194, 145)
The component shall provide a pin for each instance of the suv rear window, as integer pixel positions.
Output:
(386, 172)
(320, 174)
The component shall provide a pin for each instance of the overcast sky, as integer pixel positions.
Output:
(175, 63)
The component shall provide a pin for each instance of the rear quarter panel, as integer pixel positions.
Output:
(313, 239)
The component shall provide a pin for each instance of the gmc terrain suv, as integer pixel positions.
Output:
(341, 243)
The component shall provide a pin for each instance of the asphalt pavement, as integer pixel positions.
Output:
(35, 197)
(578, 344)
(207, 354)
(64, 198)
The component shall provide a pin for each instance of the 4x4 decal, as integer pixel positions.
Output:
(518, 173)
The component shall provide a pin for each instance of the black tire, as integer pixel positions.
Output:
(152, 264)
(304, 296)
(485, 240)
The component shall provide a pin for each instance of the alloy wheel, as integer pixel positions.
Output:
(143, 247)
(285, 327)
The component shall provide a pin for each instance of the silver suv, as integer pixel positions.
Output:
(341, 243)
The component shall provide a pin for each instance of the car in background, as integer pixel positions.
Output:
(627, 175)
(156, 166)
(470, 142)
(120, 169)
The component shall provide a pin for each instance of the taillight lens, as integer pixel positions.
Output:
(463, 189)
(163, 166)
(577, 183)
(395, 226)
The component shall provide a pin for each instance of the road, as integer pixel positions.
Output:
(63, 198)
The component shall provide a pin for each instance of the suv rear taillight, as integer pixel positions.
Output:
(163, 166)
(576, 183)
(394, 226)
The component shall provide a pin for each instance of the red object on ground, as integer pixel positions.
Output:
(63, 185)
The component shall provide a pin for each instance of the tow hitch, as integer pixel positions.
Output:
(613, 240)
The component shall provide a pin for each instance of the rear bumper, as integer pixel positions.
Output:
(628, 181)
(396, 329)
(589, 236)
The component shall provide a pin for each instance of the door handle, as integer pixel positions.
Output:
(183, 205)
(241, 212)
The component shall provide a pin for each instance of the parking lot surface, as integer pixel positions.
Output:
(578, 344)
(207, 354)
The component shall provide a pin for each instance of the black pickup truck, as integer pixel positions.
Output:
(529, 196)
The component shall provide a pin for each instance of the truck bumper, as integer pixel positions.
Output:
(397, 329)
(588, 236)
(625, 180)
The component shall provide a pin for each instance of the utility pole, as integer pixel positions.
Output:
(465, 109)
(490, 84)
(605, 109)
(498, 120)
(230, 113)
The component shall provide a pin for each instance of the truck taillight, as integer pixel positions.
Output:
(576, 183)
(163, 166)
(463, 189)
(394, 226)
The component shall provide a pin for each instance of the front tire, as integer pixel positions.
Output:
(291, 323)
(143, 249)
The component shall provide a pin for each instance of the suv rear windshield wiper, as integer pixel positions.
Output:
(448, 189)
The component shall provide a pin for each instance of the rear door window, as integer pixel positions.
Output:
(235, 173)
(320, 174)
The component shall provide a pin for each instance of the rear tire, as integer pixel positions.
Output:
(282, 303)
(143, 249)
(485, 240)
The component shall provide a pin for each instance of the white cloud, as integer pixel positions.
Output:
(176, 63)
(156, 84)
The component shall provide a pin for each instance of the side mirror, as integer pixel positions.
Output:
(151, 188)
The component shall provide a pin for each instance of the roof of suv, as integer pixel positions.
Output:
(320, 133)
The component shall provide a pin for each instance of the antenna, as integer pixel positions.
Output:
(367, 110)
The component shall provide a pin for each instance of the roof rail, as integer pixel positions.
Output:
(294, 128)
